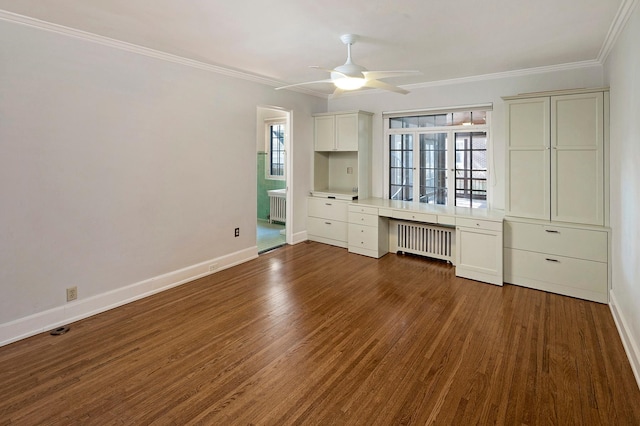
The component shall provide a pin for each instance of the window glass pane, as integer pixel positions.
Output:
(276, 150)
(401, 167)
(460, 118)
(410, 122)
(479, 117)
(395, 123)
(433, 168)
(471, 169)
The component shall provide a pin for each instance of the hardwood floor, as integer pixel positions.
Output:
(311, 334)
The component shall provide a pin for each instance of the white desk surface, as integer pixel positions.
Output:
(465, 212)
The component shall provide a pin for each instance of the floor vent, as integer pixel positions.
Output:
(426, 240)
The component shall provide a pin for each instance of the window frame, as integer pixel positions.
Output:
(268, 123)
(451, 149)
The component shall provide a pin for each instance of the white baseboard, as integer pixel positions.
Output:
(628, 341)
(299, 237)
(73, 311)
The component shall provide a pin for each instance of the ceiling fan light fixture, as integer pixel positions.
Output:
(349, 83)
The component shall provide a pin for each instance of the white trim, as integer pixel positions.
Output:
(299, 237)
(631, 347)
(83, 308)
(621, 18)
(506, 74)
(438, 110)
(140, 50)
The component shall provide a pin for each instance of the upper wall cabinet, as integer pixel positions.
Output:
(555, 157)
(340, 131)
(342, 157)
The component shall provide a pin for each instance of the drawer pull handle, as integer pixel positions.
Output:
(328, 204)
(327, 223)
(552, 231)
(552, 260)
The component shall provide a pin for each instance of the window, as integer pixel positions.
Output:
(275, 149)
(439, 158)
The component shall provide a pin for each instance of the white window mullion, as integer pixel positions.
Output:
(451, 167)
(416, 166)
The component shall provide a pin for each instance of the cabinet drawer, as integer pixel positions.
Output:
(526, 267)
(415, 216)
(363, 209)
(572, 242)
(479, 224)
(326, 228)
(363, 219)
(363, 236)
(327, 208)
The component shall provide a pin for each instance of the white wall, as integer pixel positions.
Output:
(623, 75)
(116, 168)
(464, 93)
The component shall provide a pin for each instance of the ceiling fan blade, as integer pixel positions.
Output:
(376, 75)
(376, 84)
(306, 82)
(337, 93)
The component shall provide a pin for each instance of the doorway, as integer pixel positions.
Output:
(273, 165)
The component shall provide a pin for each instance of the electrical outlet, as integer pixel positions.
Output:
(237, 232)
(349, 170)
(72, 293)
(213, 267)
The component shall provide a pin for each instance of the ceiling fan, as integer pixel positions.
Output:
(352, 76)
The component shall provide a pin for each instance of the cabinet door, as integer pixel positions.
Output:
(527, 184)
(479, 255)
(325, 133)
(577, 163)
(347, 132)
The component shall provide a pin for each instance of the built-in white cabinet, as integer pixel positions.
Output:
(339, 132)
(479, 250)
(342, 157)
(327, 221)
(368, 232)
(555, 157)
(556, 202)
(564, 259)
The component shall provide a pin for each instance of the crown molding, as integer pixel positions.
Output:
(621, 18)
(140, 50)
(485, 77)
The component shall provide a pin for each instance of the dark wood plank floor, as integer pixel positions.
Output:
(311, 334)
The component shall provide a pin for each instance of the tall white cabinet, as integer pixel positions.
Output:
(342, 172)
(557, 192)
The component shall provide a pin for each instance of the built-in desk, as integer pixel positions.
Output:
(471, 239)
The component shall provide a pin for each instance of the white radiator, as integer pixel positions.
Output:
(277, 206)
(419, 238)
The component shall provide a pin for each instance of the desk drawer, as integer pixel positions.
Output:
(363, 219)
(479, 224)
(363, 236)
(572, 242)
(326, 228)
(356, 208)
(327, 208)
(415, 216)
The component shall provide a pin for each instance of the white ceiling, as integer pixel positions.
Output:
(280, 39)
